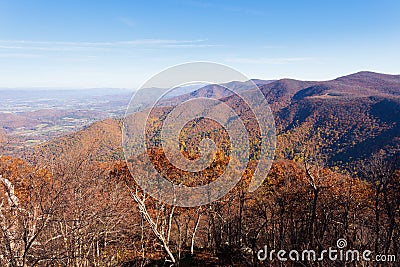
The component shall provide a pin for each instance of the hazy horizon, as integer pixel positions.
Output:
(130, 89)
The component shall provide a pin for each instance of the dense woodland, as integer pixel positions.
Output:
(76, 213)
(73, 201)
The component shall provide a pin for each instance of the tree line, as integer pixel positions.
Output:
(77, 212)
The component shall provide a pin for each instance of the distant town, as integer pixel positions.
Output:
(30, 117)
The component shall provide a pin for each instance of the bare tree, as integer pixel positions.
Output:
(141, 205)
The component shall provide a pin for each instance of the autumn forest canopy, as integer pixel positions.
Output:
(74, 200)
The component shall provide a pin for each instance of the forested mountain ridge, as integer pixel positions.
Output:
(348, 118)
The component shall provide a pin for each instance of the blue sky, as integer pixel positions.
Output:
(83, 44)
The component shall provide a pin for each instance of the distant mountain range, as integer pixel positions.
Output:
(352, 116)
(348, 118)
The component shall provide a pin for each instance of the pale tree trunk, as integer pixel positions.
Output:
(143, 211)
(18, 251)
(196, 225)
(170, 217)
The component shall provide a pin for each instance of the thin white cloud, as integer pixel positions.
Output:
(160, 41)
(127, 21)
(47, 48)
(190, 45)
(112, 43)
(78, 46)
(18, 55)
(272, 61)
(273, 46)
